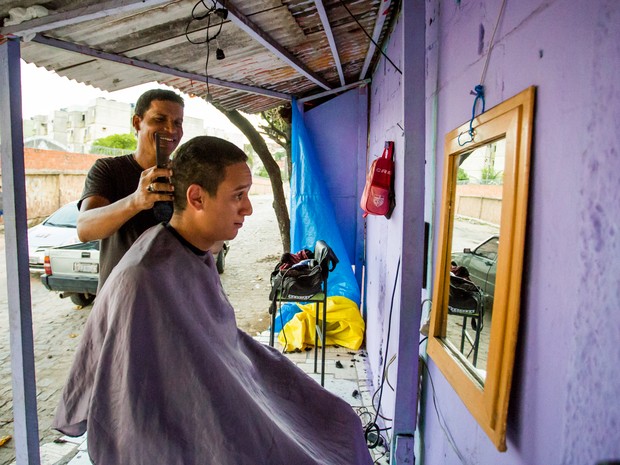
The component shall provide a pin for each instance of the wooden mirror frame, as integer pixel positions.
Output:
(488, 403)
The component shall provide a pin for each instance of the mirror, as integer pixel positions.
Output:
(473, 253)
(476, 295)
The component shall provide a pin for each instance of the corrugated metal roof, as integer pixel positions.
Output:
(274, 49)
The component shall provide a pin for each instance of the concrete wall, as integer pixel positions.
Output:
(47, 191)
(483, 202)
(563, 408)
(262, 186)
(54, 178)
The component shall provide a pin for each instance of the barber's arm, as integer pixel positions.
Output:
(99, 218)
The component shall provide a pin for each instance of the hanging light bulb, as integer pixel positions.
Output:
(219, 54)
(221, 12)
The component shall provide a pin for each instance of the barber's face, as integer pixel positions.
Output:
(224, 214)
(163, 117)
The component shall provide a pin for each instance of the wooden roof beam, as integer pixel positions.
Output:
(330, 38)
(245, 24)
(376, 33)
(154, 67)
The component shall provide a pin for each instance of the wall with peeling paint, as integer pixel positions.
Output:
(564, 407)
(384, 236)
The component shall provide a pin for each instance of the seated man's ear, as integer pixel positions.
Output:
(195, 195)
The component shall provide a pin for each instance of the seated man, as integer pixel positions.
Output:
(164, 376)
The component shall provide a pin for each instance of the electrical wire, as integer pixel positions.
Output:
(491, 43)
(207, 66)
(440, 419)
(374, 396)
(208, 39)
(479, 89)
(376, 462)
(200, 17)
(374, 427)
(362, 411)
(387, 371)
(369, 37)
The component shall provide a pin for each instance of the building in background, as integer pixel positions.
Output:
(76, 128)
(104, 118)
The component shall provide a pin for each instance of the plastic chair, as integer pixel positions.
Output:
(466, 300)
(327, 261)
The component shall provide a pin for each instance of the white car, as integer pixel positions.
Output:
(60, 228)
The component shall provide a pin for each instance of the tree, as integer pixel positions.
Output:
(115, 141)
(278, 129)
(272, 168)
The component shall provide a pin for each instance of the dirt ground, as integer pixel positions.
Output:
(57, 323)
(250, 260)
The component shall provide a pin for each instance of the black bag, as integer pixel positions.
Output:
(300, 281)
(464, 298)
(300, 276)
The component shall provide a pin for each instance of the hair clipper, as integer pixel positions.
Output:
(162, 209)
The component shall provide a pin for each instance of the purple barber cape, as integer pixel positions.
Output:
(164, 376)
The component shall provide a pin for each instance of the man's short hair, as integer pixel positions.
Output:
(202, 160)
(144, 101)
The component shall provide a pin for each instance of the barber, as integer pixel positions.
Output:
(119, 193)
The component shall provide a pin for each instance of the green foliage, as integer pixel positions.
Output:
(277, 127)
(116, 141)
(461, 175)
(490, 176)
(262, 172)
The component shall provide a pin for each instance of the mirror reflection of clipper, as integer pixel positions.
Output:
(162, 209)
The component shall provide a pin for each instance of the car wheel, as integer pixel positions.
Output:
(221, 261)
(82, 299)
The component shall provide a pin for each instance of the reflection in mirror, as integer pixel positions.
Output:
(477, 285)
(475, 240)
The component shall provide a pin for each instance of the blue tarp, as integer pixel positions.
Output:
(312, 213)
(285, 313)
(313, 218)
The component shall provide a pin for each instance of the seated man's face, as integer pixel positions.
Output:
(224, 214)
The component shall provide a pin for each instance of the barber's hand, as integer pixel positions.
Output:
(152, 189)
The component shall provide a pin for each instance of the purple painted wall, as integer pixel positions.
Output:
(339, 132)
(383, 236)
(564, 407)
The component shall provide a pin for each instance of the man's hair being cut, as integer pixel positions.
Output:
(144, 101)
(202, 160)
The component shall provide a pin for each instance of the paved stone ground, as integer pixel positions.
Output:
(58, 323)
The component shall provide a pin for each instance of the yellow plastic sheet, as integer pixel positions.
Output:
(344, 326)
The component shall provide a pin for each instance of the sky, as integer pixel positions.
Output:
(45, 91)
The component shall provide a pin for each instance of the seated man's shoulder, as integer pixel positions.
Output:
(153, 252)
